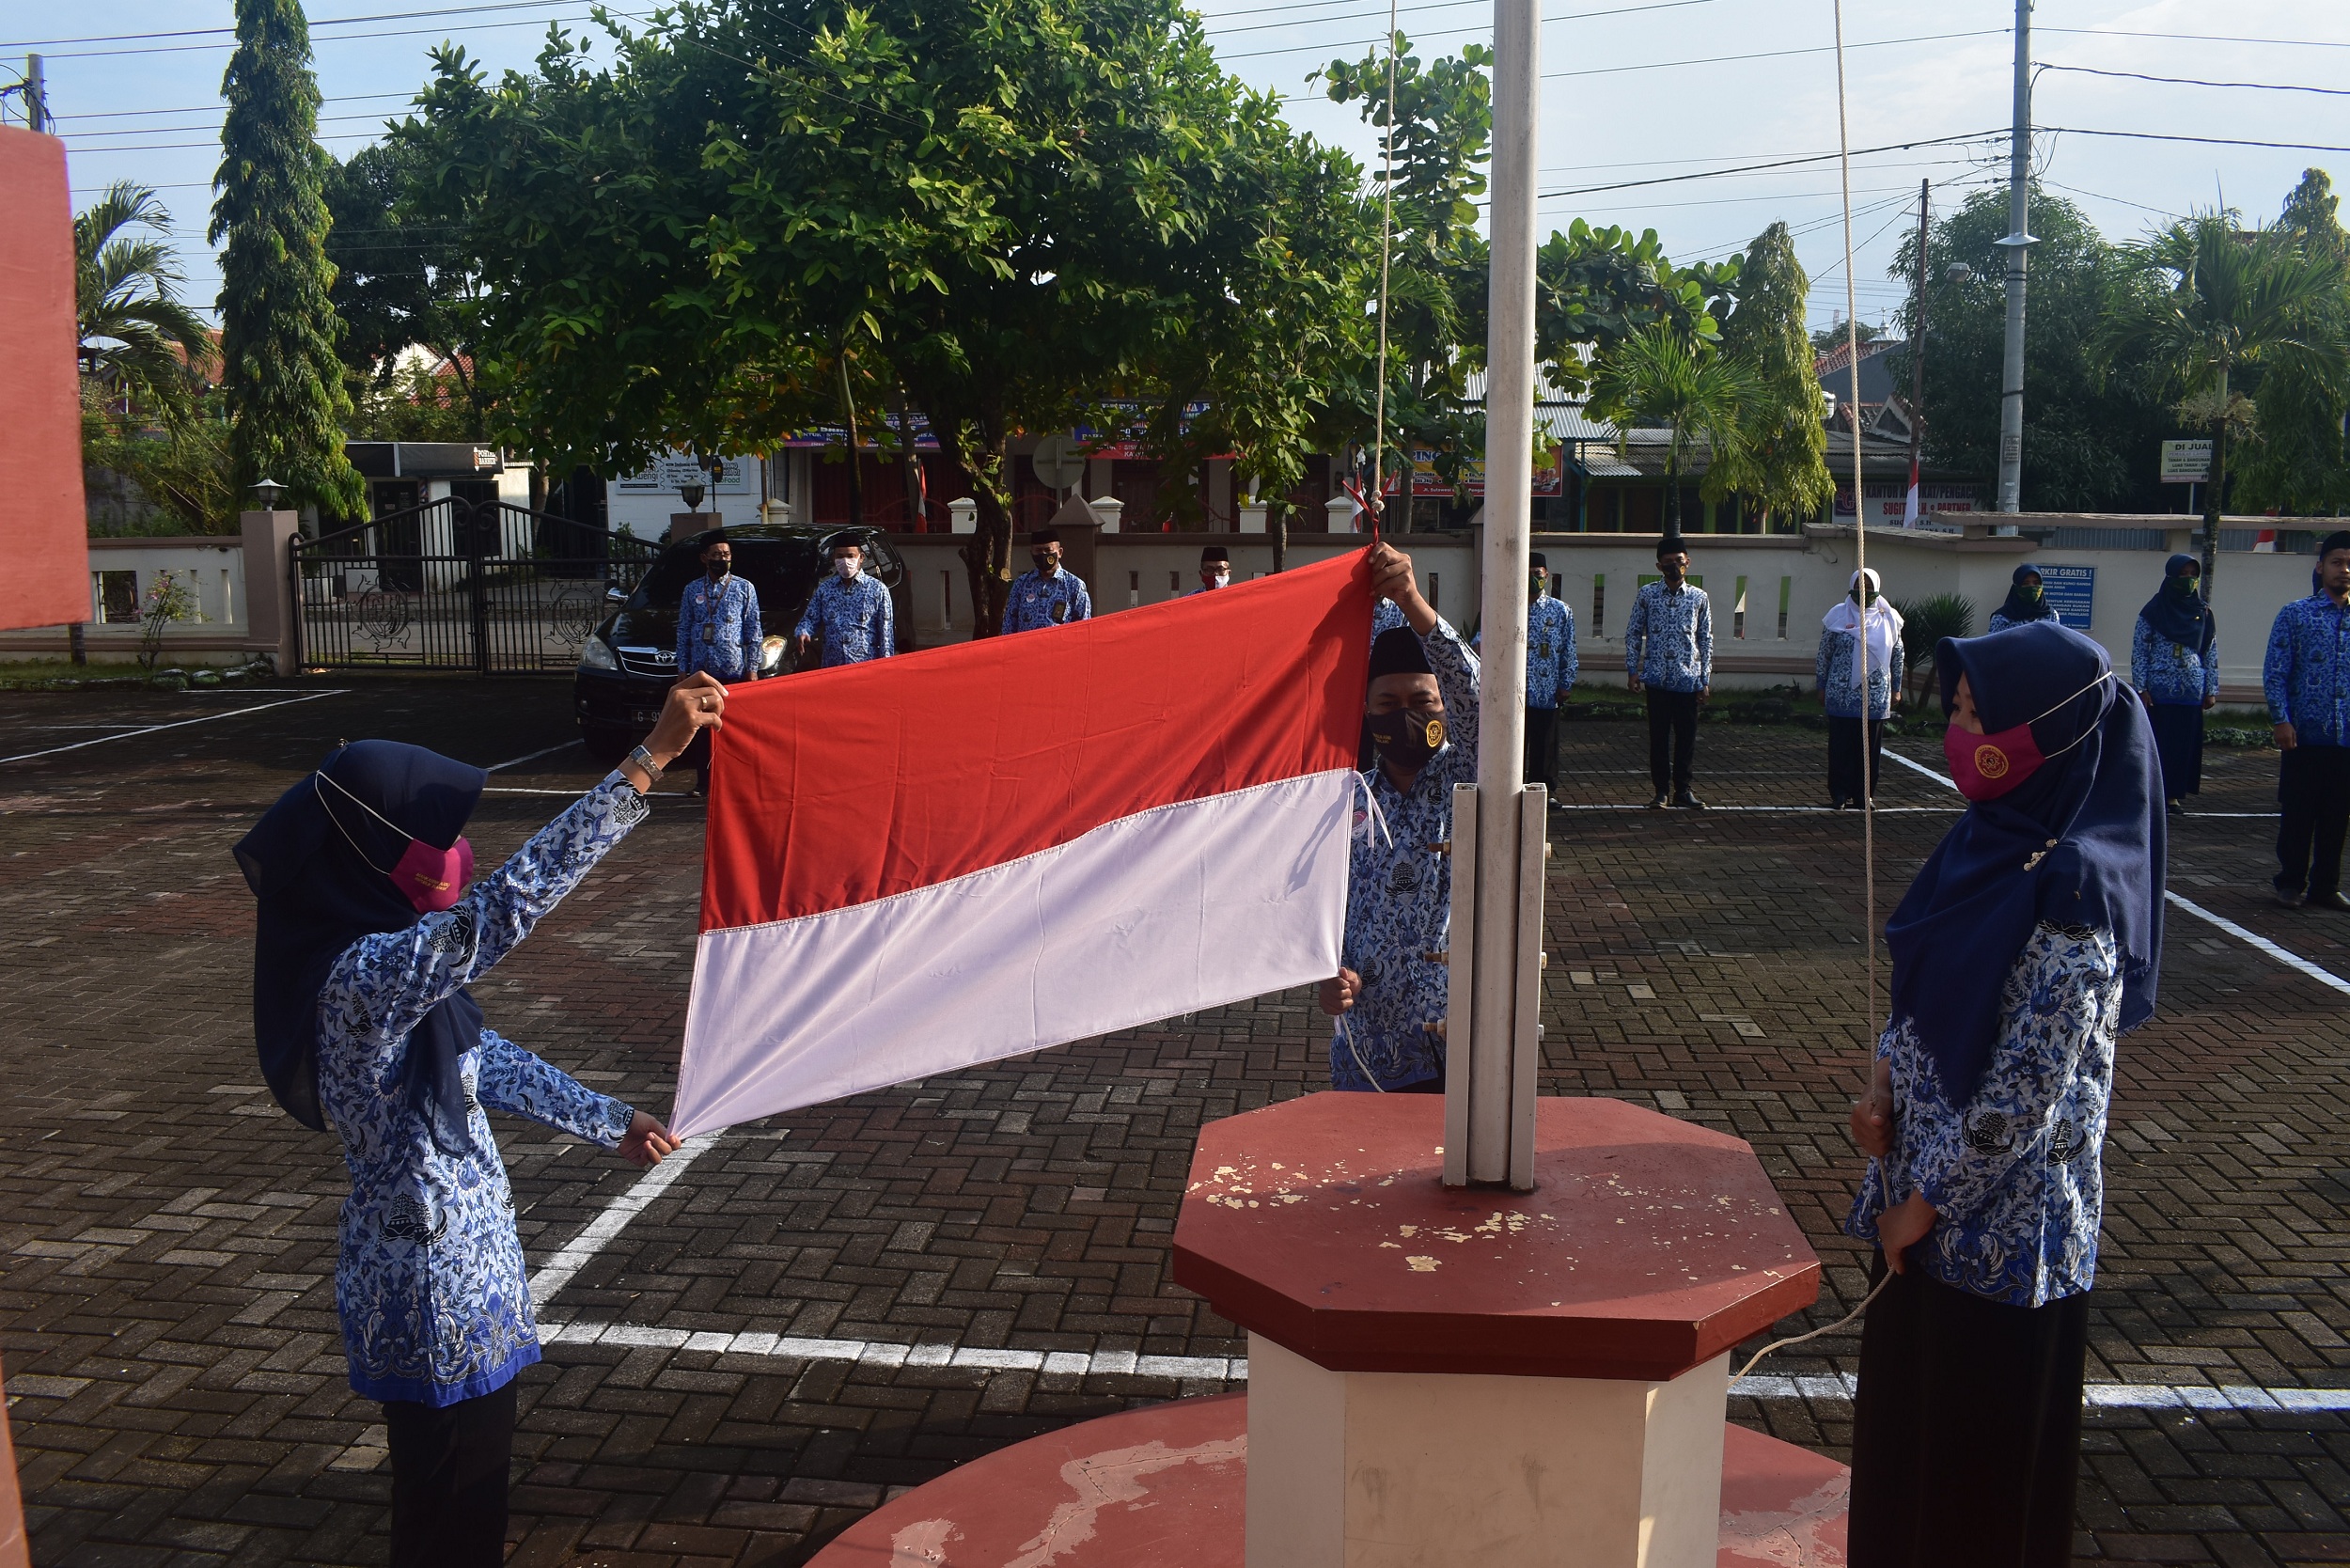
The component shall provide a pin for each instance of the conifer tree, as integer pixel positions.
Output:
(284, 382)
(1782, 466)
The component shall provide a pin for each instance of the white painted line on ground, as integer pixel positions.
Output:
(175, 723)
(556, 1272)
(2285, 956)
(532, 757)
(877, 1352)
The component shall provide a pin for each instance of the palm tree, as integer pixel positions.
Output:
(137, 342)
(2203, 298)
(1659, 378)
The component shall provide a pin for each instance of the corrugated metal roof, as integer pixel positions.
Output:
(1606, 467)
(1568, 422)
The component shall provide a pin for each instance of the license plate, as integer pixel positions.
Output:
(644, 715)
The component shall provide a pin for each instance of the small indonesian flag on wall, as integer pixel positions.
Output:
(924, 863)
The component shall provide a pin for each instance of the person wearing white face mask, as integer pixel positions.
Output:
(1215, 569)
(849, 611)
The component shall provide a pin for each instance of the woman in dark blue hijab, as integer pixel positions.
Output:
(2031, 938)
(367, 939)
(2027, 600)
(2174, 664)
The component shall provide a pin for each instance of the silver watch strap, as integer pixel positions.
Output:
(643, 759)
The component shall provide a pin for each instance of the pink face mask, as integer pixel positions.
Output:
(431, 879)
(1984, 767)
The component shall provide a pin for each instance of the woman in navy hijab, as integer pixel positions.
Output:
(367, 938)
(2027, 600)
(2031, 938)
(2174, 664)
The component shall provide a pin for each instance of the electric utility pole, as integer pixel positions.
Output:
(2019, 239)
(1914, 511)
(35, 95)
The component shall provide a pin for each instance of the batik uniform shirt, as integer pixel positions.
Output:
(2000, 622)
(717, 629)
(1399, 897)
(1550, 653)
(854, 618)
(1669, 639)
(1040, 601)
(1386, 616)
(1832, 671)
(2017, 1174)
(429, 1280)
(2171, 672)
(2307, 672)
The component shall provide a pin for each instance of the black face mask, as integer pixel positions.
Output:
(718, 570)
(1045, 565)
(1405, 738)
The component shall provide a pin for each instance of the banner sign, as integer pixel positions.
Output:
(2186, 462)
(681, 468)
(1889, 499)
(2070, 591)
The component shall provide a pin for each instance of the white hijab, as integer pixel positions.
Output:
(1885, 624)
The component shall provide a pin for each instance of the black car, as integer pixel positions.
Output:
(630, 662)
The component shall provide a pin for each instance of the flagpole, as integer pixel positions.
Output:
(1503, 1047)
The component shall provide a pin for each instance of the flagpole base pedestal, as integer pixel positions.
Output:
(1166, 1487)
(1437, 1376)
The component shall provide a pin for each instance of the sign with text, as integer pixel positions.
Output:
(677, 469)
(2069, 590)
(2186, 462)
(1889, 499)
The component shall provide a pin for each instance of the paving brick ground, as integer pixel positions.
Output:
(175, 1379)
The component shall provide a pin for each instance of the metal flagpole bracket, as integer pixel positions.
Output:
(1460, 985)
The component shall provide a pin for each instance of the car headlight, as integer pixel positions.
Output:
(769, 655)
(598, 654)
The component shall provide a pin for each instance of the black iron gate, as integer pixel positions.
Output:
(482, 586)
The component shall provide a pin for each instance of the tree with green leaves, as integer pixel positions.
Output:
(401, 282)
(280, 369)
(2299, 464)
(1009, 211)
(1782, 465)
(140, 346)
(2203, 301)
(2091, 441)
(1595, 288)
(1660, 378)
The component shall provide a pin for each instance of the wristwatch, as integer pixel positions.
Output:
(643, 759)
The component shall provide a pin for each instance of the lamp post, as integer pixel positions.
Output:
(267, 491)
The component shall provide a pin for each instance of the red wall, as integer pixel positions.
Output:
(44, 558)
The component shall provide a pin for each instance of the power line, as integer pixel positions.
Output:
(2199, 82)
(2193, 37)
(332, 37)
(1779, 164)
(1440, 6)
(315, 22)
(2207, 141)
(217, 107)
(1771, 55)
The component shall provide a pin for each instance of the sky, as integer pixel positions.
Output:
(1632, 94)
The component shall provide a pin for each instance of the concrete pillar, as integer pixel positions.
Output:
(1252, 516)
(962, 516)
(1343, 512)
(271, 626)
(1112, 512)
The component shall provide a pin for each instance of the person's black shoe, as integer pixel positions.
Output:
(1659, 802)
(1839, 806)
(1687, 801)
(2176, 807)
(2289, 897)
(2334, 902)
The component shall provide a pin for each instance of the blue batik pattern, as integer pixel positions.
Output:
(1399, 895)
(1832, 672)
(2306, 675)
(717, 629)
(1669, 639)
(429, 1282)
(2171, 672)
(1386, 616)
(1550, 653)
(2000, 622)
(1039, 600)
(2016, 1175)
(854, 618)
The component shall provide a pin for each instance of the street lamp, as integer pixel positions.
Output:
(1959, 271)
(690, 492)
(268, 490)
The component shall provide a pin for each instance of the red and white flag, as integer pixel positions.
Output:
(1910, 515)
(920, 863)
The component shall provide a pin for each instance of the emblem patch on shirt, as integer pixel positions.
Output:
(1403, 876)
(1989, 1132)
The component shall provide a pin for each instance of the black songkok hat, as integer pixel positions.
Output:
(1538, 558)
(1397, 651)
(1044, 536)
(1214, 553)
(1672, 544)
(2337, 540)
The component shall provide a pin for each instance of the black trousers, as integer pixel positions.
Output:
(450, 1470)
(1672, 738)
(1542, 747)
(2313, 791)
(1844, 757)
(1967, 1429)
